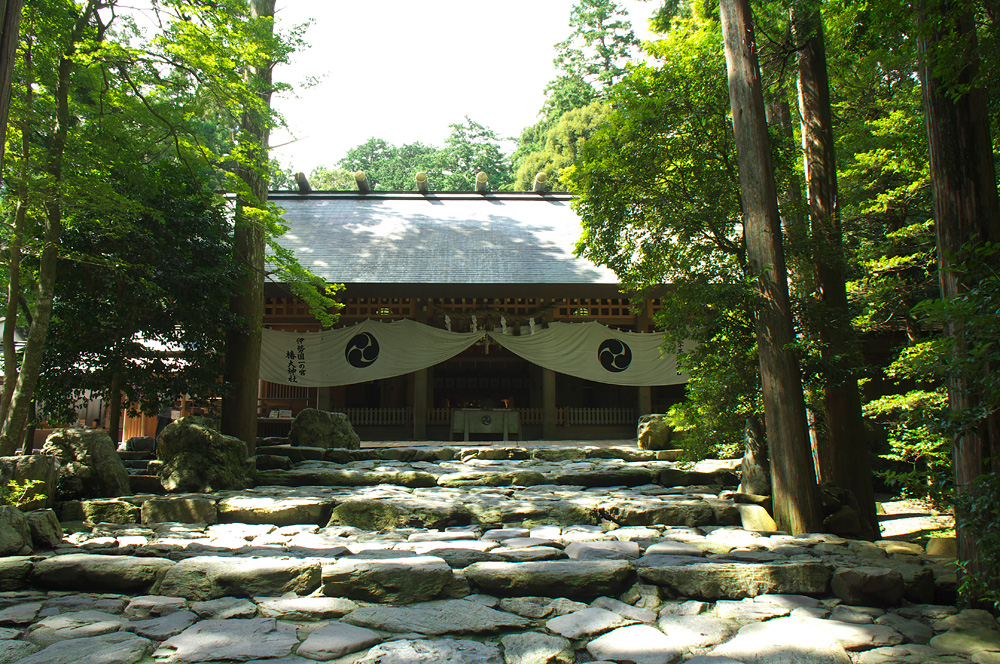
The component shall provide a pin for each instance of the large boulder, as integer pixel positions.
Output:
(15, 535)
(320, 428)
(25, 467)
(653, 433)
(46, 531)
(89, 465)
(198, 458)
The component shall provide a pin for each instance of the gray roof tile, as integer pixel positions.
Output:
(438, 239)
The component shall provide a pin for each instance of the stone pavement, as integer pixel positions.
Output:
(477, 555)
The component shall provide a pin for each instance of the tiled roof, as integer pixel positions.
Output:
(443, 238)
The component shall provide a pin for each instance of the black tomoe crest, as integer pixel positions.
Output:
(614, 355)
(362, 350)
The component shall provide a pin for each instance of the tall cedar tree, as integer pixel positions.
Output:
(843, 456)
(239, 409)
(793, 478)
(10, 19)
(966, 209)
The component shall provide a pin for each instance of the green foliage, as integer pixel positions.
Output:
(563, 142)
(976, 510)
(145, 298)
(154, 125)
(280, 178)
(388, 167)
(600, 42)
(919, 449)
(589, 61)
(322, 178)
(19, 494)
(659, 201)
(469, 149)
(969, 351)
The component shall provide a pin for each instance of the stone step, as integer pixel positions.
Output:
(393, 506)
(449, 452)
(579, 562)
(488, 467)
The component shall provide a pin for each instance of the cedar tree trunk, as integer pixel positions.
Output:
(966, 209)
(845, 460)
(10, 23)
(793, 478)
(242, 373)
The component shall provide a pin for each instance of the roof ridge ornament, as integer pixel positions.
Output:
(539, 186)
(362, 181)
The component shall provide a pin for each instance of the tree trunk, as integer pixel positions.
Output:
(28, 446)
(10, 22)
(966, 209)
(800, 278)
(845, 461)
(13, 424)
(115, 406)
(793, 479)
(16, 243)
(239, 409)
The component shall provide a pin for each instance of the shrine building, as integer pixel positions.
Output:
(465, 315)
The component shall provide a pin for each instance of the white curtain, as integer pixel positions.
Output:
(367, 351)
(596, 352)
(373, 350)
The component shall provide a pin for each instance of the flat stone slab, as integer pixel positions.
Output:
(398, 580)
(336, 640)
(535, 647)
(434, 651)
(784, 641)
(74, 625)
(641, 644)
(162, 627)
(279, 510)
(586, 623)
(87, 572)
(571, 578)
(711, 581)
(304, 608)
(436, 618)
(117, 648)
(211, 577)
(240, 640)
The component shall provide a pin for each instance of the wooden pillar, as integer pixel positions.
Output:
(645, 404)
(420, 404)
(548, 404)
(420, 382)
(644, 323)
(324, 400)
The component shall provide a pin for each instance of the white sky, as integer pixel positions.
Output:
(403, 70)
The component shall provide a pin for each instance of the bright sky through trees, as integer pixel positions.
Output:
(403, 70)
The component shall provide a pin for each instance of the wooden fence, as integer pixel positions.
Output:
(528, 416)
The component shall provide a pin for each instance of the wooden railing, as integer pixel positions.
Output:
(533, 416)
(380, 417)
(600, 416)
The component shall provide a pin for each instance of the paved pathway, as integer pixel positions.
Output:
(496, 555)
